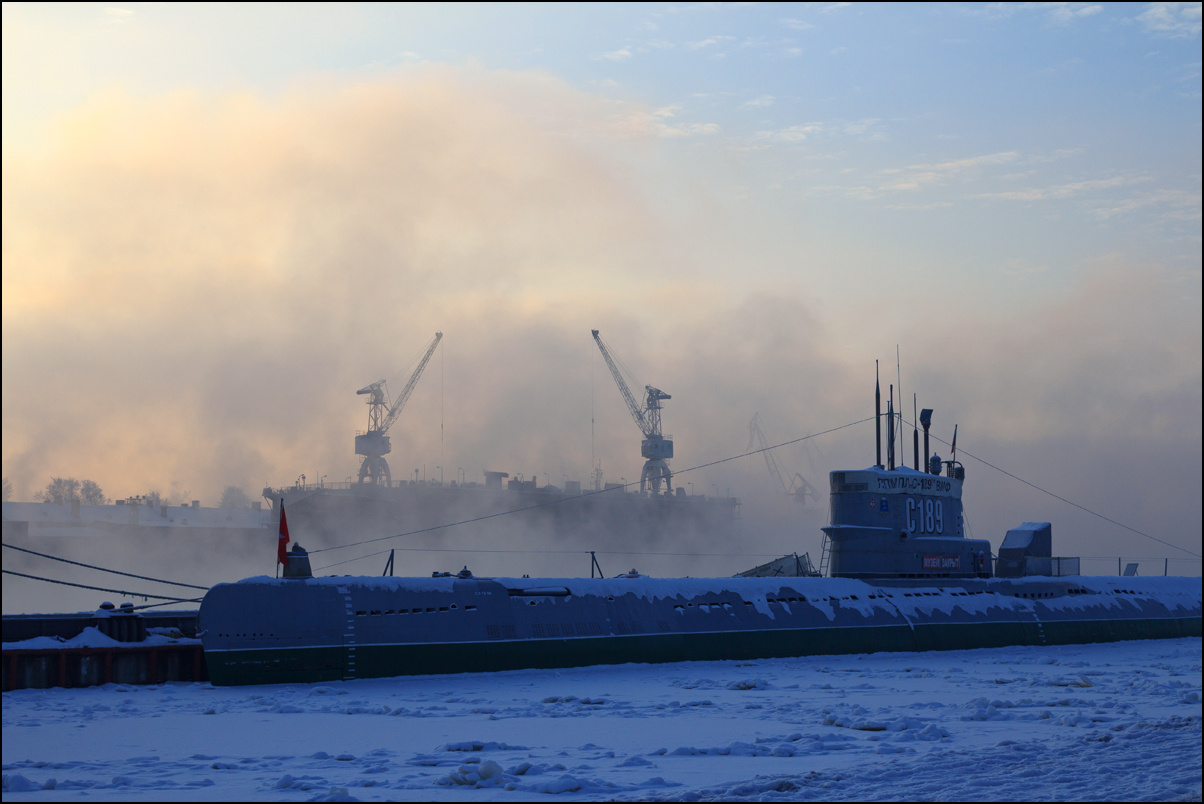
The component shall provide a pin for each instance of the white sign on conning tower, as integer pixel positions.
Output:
(907, 481)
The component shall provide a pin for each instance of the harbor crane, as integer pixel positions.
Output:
(656, 448)
(798, 488)
(374, 444)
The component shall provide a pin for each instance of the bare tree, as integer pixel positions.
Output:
(154, 499)
(8, 489)
(60, 490)
(234, 497)
(90, 493)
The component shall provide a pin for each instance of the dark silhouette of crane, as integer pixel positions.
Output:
(798, 487)
(656, 448)
(374, 444)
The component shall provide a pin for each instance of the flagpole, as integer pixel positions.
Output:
(282, 541)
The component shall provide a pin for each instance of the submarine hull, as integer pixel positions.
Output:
(265, 630)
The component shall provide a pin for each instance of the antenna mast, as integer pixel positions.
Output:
(877, 418)
(899, 412)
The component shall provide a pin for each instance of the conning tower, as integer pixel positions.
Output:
(898, 522)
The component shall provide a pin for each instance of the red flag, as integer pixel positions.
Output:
(282, 547)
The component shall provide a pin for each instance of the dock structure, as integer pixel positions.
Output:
(57, 650)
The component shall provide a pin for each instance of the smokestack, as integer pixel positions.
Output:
(877, 419)
(890, 434)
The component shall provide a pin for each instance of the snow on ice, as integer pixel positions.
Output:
(1118, 721)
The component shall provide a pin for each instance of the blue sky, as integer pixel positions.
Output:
(752, 202)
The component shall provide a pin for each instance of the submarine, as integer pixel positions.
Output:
(903, 576)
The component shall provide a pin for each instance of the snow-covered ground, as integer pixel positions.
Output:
(1117, 721)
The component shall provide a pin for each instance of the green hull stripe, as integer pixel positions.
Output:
(333, 663)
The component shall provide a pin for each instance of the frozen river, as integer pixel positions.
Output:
(1117, 721)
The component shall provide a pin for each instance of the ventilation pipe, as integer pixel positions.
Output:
(926, 421)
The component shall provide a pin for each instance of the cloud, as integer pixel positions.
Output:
(868, 129)
(709, 42)
(1065, 190)
(1178, 205)
(758, 103)
(195, 285)
(795, 24)
(954, 166)
(228, 270)
(1175, 20)
(796, 133)
(914, 177)
(622, 54)
(656, 122)
(864, 129)
(1065, 13)
(1055, 13)
(1022, 386)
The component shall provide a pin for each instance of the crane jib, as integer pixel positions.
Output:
(395, 411)
(647, 418)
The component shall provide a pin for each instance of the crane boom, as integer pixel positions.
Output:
(395, 411)
(636, 412)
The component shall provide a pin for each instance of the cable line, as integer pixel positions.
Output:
(142, 595)
(102, 569)
(572, 499)
(704, 466)
(567, 500)
(566, 552)
(775, 446)
(1068, 502)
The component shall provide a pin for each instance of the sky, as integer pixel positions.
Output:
(219, 222)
